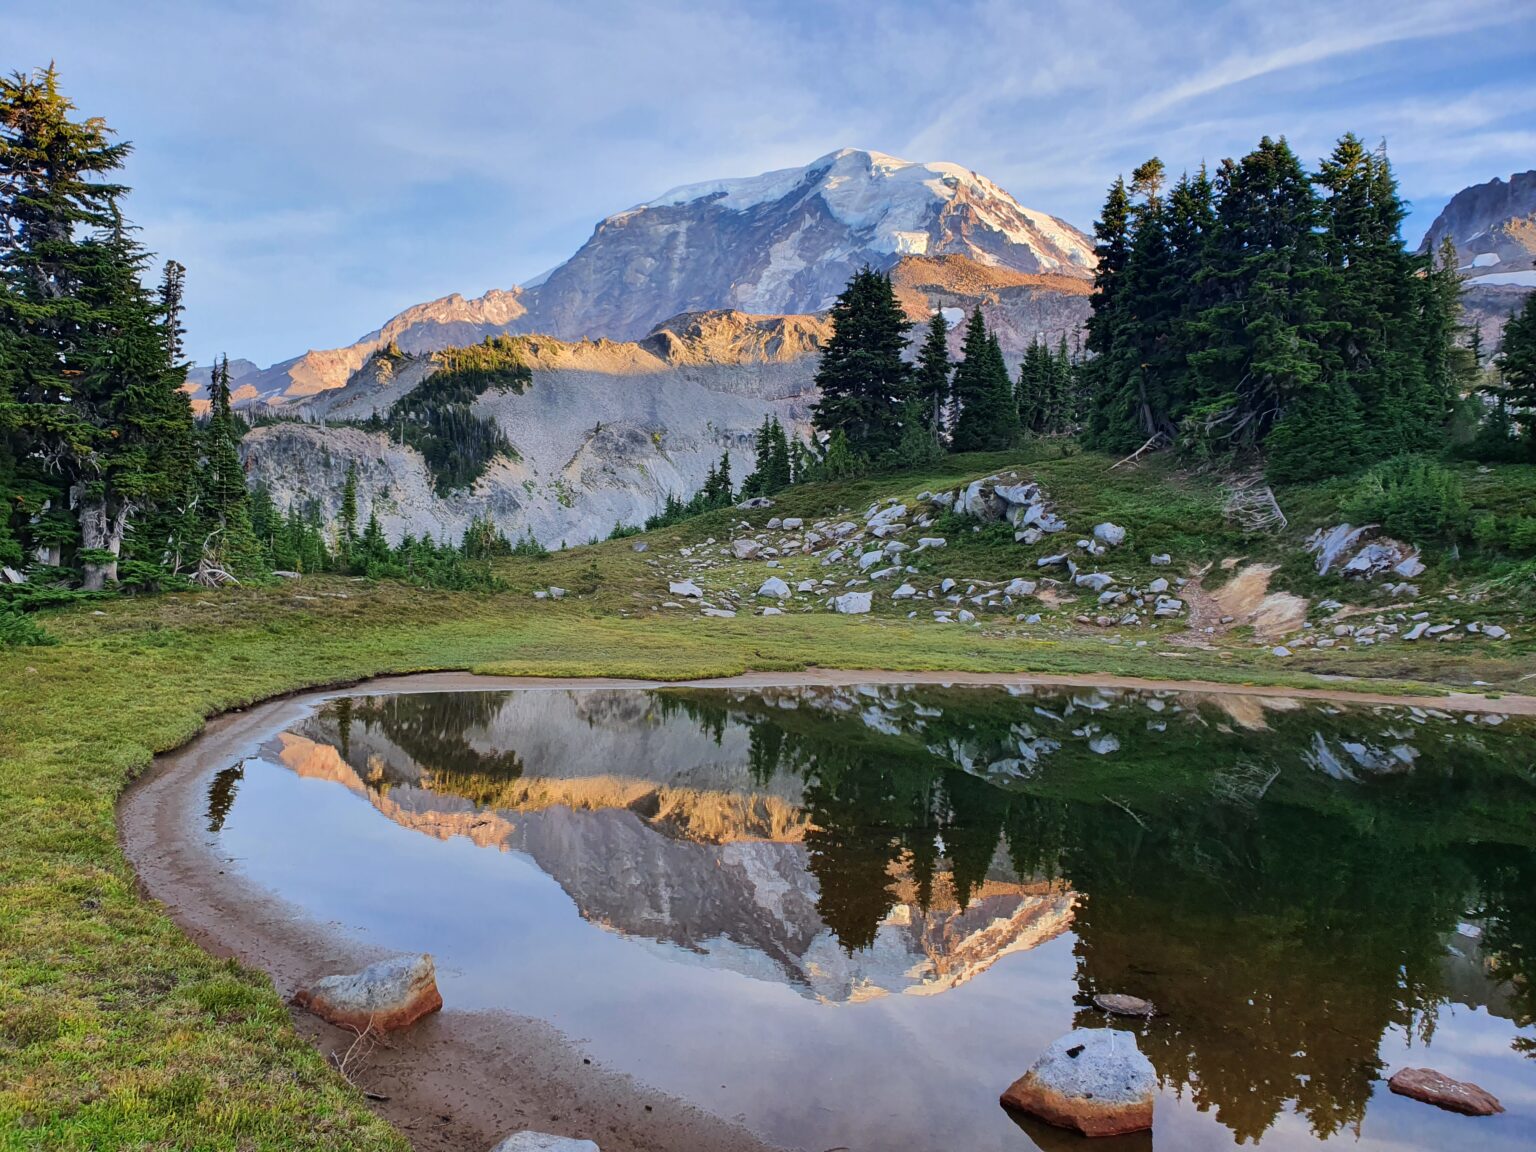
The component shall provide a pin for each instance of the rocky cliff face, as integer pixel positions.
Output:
(1493, 226)
(604, 434)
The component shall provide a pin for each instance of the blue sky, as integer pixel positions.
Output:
(319, 165)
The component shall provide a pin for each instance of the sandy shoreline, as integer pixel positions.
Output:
(460, 1080)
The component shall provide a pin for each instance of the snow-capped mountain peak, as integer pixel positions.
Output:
(898, 205)
(787, 241)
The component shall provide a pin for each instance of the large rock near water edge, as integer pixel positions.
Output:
(1440, 1090)
(529, 1141)
(391, 994)
(1094, 1081)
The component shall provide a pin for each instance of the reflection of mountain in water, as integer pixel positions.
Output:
(1287, 882)
(722, 874)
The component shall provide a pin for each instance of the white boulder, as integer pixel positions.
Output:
(774, 587)
(853, 603)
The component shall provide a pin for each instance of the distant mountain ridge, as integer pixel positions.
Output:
(788, 241)
(1493, 226)
(782, 243)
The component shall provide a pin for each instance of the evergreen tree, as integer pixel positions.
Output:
(1104, 328)
(172, 289)
(932, 377)
(987, 418)
(1033, 392)
(1263, 361)
(1517, 365)
(1058, 414)
(774, 471)
(1375, 343)
(346, 535)
(863, 379)
(89, 387)
(232, 537)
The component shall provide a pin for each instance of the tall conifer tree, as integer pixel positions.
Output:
(863, 379)
(96, 402)
(932, 378)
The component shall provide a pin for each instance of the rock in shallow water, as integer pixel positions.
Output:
(1093, 1080)
(391, 994)
(1440, 1090)
(1119, 1004)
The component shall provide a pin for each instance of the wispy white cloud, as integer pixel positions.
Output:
(321, 163)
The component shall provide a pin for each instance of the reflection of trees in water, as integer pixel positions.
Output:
(430, 728)
(1282, 928)
(221, 794)
(1506, 908)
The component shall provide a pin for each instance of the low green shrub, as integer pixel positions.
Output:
(18, 630)
(1412, 497)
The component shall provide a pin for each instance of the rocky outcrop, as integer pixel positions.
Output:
(603, 435)
(381, 998)
(1094, 1081)
(1362, 553)
(1493, 226)
(1440, 1090)
(1019, 307)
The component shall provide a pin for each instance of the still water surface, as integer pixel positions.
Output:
(852, 916)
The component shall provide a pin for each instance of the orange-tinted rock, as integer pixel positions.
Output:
(382, 997)
(1094, 1081)
(1440, 1090)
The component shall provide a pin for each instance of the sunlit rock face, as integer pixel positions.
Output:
(604, 433)
(1493, 226)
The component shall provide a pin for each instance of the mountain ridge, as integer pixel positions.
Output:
(781, 243)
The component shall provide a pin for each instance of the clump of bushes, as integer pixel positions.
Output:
(1412, 497)
(1505, 533)
(18, 630)
(437, 417)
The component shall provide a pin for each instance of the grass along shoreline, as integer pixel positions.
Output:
(116, 1031)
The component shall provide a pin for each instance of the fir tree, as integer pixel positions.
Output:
(932, 384)
(864, 381)
(1383, 322)
(1033, 390)
(774, 471)
(232, 536)
(89, 385)
(346, 534)
(1262, 332)
(987, 417)
(172, 290)
(1517, 366)
(1106, 321)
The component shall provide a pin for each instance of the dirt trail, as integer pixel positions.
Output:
(1246, 599)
